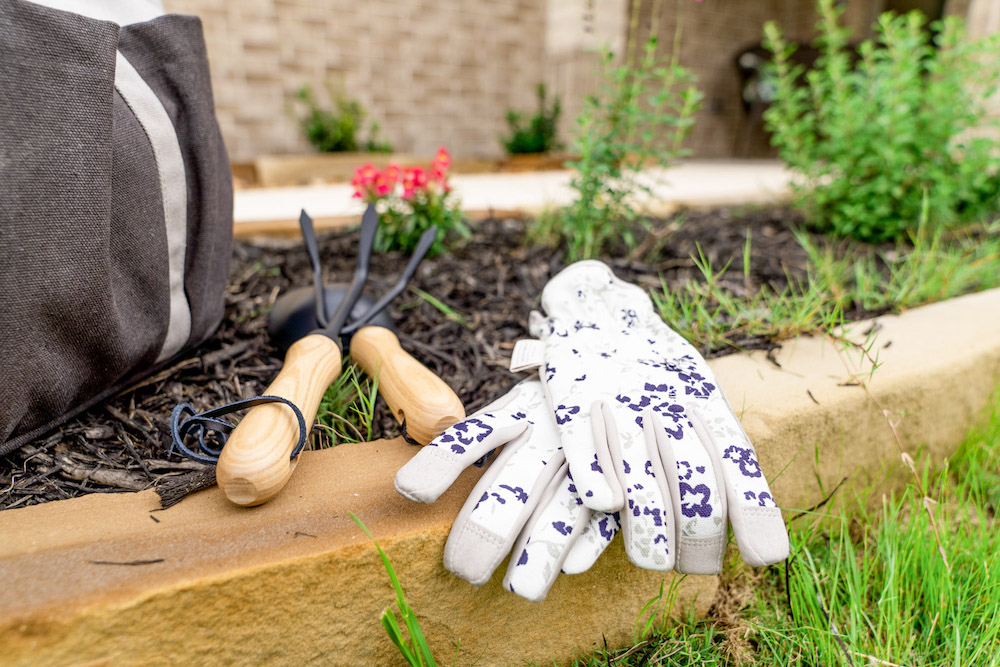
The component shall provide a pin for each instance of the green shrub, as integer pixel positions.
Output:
(536, 134)
(337, 130)
(870, 139)
(639, 117)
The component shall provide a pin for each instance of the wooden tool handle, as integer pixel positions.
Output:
(412, 392)
(254, 464)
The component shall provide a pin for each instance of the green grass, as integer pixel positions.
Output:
(864, 587)
(412, 647)
(347, 411)
(444, 308)
(934, 265)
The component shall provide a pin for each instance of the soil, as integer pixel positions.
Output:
(491, 283)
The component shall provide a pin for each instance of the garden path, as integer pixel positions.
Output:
(701, 182)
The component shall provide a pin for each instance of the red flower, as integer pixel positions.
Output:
(442, 161)
(370, 184)
(392, 173)
(414, 180)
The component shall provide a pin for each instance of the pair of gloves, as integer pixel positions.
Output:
(625, 429)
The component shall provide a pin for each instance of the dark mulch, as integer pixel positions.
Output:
(493, 282)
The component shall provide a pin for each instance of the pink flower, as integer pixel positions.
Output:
(414, 180)
(370, 184)
(439, 169)
(442, 161)
(392, 174)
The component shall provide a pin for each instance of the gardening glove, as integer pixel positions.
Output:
(526, 496)
(632, 401)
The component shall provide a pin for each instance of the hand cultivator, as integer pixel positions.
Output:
(259, 454)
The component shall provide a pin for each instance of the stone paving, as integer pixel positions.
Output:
(690, 183)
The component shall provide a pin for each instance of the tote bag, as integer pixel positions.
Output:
(115, 203)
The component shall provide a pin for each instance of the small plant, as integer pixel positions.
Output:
(534, 135)
(347, 410)
(409, 201)
(416, 652)
(870, 140)
(639, 118)
(337, 130)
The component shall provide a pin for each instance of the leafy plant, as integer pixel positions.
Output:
(337, 130)
(416, 652)
(871, 139)
(536, 134)
(411, 200)
(639, 117)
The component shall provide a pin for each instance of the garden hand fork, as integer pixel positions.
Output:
(258, 457)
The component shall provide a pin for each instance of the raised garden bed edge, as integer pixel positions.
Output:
(105, 579)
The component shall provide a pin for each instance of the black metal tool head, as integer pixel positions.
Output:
(306, 310)
(369, 227)
(294, 313)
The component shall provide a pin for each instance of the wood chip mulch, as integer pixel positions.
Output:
(492, 283)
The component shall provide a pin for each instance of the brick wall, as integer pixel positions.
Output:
(431, 73)
(444, 73)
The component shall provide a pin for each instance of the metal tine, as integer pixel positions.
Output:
(312, 249)
(423, 245)
(369, 226)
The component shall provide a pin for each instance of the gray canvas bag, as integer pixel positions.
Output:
(115, 203)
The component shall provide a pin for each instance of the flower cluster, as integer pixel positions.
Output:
(371, 185)
(410, 200)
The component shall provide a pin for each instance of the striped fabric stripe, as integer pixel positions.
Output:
(170, 164)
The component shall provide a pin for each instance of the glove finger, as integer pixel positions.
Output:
(589, 291)
(647, 520)
(572, 396)
(696, 489)
(435, 467)
(757, 522)
(595, 537)
(498, 509)
(545, 541)
(584, 442)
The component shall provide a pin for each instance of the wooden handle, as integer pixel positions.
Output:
(412, 391)
(254, 464)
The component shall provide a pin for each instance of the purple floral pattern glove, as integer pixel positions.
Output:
(646, 429)
(526, 496)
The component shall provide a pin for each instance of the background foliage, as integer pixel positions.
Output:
(871, 139)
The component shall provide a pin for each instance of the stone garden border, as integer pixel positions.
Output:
(295, 581)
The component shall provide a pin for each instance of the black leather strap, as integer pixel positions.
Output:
(200, 425)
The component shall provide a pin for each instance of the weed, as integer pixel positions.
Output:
(445, 309)
(933, 265)
(347, 411)
(905, 124)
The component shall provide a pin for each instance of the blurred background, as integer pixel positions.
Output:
(446, 73)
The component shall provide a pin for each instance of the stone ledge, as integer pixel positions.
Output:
(295, 581)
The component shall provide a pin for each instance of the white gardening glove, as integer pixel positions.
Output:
(645, 427)
(525, 496)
